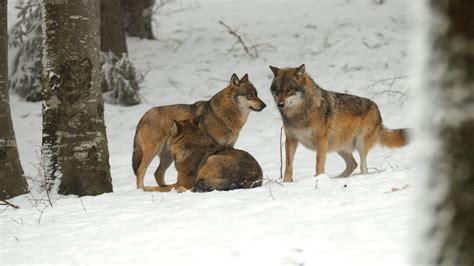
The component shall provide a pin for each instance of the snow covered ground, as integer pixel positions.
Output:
(347, 46)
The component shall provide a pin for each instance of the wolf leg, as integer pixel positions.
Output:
(363, 159)
(290, 149)
(369, 140)
(148, 155)
(321, 152)
(166, 188)
(147, 158)
(166, 159)
(351, 163)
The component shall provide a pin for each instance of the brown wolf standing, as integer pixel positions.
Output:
(223, 116)
(328, 121)
(205, 165)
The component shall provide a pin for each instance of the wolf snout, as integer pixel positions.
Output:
(281, 104)
(259, 107)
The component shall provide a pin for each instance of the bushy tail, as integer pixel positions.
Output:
(136, 157)
(394, 138)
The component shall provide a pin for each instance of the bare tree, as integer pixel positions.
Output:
(12, 180)
(74, 139)
(448, 238)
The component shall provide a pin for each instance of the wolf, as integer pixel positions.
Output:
(222, 117)
(205, 165)
(327, 121)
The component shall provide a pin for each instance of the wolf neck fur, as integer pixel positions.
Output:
(227, 111)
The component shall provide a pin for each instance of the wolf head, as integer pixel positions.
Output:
(288, 87)
(245, 94)
(187, 137)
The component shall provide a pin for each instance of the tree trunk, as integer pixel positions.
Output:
(112, 34)
(12, 180)
(449, 77)
(74, 139)
(139, 18)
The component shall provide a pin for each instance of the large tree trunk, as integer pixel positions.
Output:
(449, 77)
(139, 18)
(74, 139)
(12, 181)
(112, 33)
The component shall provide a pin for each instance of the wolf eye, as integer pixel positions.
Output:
(273, 88)
(291, 93)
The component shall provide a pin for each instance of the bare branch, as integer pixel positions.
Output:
(390, 82)
(389, 92)
(269, 182)
(387, 79)
(180, 43)
(82, 203)
(9, 204)
(16, 221)
(41, 213)
(376, 169)
(281, 153)
(236, 35)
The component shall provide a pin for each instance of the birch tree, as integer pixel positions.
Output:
(74, 140)
(12, 181)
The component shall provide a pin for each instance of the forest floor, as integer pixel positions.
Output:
(348, 46)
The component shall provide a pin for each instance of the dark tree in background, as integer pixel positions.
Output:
(119, 80)
(74, 139)
(12, 181)
(112, 35)
(449, 76)
(138, 18)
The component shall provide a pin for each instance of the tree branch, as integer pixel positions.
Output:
(236, 35)
(6, 203)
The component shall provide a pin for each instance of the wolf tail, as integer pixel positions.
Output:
(394, 138)
(136, 156)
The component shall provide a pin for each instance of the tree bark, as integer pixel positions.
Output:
(112, 32)
(74, 139)
(12, 180)
(449, 77)
(139, 18)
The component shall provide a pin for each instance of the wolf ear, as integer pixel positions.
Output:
(245, 78)
(176, 128)
(299, 72)
(274, 70)
(234, 80)
(196, 121)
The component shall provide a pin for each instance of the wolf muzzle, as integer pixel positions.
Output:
(262, 106)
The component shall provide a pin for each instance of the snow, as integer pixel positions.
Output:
(347, 46)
